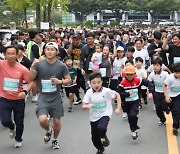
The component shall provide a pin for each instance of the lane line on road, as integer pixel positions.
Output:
(172, 140)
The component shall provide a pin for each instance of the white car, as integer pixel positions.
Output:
(146, 22)
(166, 22)
(129, 22)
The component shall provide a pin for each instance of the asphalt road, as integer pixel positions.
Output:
(75, 135)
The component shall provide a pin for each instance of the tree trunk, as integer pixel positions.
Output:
(25, 17)
(49, 13)
(38, 15)
(45, 14)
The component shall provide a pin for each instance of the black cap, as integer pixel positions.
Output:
(76, 35)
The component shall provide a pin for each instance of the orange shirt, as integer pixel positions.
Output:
(11, 80)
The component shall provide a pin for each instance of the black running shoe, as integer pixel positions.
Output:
(100, 151)
(55, 144)
(47, 136)
(175, 131)
(135, 135)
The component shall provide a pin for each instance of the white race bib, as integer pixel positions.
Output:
(103, 72)
(11, 84)
(117, 70)
(99, 59)
(176, 59)
(47, 86)
(90, 66)
(132, 97)
(99, 105)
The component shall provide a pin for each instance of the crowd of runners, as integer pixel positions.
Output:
(126, 67)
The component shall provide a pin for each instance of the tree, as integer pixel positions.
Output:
(156, 7)
(82, 8)
(116, 6)
(21, 6)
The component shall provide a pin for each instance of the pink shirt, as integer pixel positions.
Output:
(11, 80)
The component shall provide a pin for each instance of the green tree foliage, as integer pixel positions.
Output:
(82, 8)
(156, 7)
(116, 6)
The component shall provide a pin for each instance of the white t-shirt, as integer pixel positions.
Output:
(173, 85)
(150, 68)
(117, 67)
(102, 103)
(158, 80)
(141, 73)
(143, 54)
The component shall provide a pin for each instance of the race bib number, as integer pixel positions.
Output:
(90, 66)
(99, 105)
(158, 84)
(99, 59)
(117, 70)
(11, 84)
(76, 63)
(132, 97)
(47, 86)
(175, 89)
(103, 72)
(176, 59)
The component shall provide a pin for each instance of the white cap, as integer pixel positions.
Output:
(52, 44)
(22, 43)
(120, 48)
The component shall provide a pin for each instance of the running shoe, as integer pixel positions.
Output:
(100, 151)
(135, 135)
(17, 144)
(55, 144)
(47, 136)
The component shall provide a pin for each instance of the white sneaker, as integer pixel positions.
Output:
(17, 144)
(135, 135)
(35, 98)
(124, 115)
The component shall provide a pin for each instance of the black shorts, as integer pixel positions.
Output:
(71, 89)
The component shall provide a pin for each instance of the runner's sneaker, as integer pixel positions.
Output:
(70, 109)
(17, 144)
(47, 137)
(135, 135)
(124, 115)
(161, 123)
(105, 141)
(55, 144)
(175, 131)
(100, 151)
(78, 101)
(12, 133)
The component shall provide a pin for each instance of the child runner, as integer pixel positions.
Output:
(129, 53)
(97, 58)
(150, 69)
(70, 89)
(141, 72)
(172, 95)
(157, 77)
(98, 99)
(118, 65)
(128, 89)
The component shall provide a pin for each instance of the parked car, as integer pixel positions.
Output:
(5, 34)
(122, 22)
(177, 23)
(137, 21)
(167, 22)
(129, 22)
(111, 19)
(146, 22)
